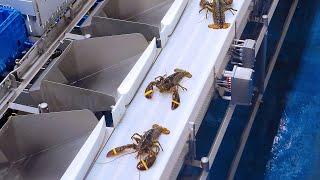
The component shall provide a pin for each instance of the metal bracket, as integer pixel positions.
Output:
(71, 36)
(191, 156)
(23, 108)
(43, 108)
(255, 15)
(238, 85)
(243, 53)
(192, 141)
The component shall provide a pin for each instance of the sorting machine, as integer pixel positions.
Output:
(77, 91)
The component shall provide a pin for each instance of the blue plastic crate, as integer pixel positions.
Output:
(13, 36)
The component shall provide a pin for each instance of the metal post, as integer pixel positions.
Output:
(261, 60)
(205, 164)
(43, 108)
(192, 141)
(191, 156)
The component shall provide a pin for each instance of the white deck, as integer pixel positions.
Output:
(195, 48)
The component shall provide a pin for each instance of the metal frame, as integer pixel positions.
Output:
(40, 14)
(38, 55)
(29, 66)
(246, 132)
(222, 129)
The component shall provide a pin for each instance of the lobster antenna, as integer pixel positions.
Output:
(115, 158)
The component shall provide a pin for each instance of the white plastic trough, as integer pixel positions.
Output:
(197, 49)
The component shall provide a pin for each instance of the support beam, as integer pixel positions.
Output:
(246, 132)
(23, 108)
(218, 139)
(262, 56)
(264, 29)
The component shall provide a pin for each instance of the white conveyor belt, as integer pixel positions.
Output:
(195, 48)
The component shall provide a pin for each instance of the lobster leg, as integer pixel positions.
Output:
(183, 88)
(205, 5)
(136, 139)
(202, 5)
(175, 98)
(157, 144)
(201, 9)
(121, 149)
(136, 134)
(149, 90)
(159, 78)
(207, 11)
(147, 162)
(232, 10)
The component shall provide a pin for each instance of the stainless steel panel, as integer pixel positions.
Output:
(42, 146)
(125, 16)
(103, 26)
(88, 73)
(97, 81)
(50, 9)
(144, 11)
(90, 56)
(61, 97)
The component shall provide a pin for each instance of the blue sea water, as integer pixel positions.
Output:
(285, 139)
(295, 153)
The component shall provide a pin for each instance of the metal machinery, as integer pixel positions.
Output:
(75, 74)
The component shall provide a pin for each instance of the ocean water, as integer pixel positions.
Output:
(285, 139)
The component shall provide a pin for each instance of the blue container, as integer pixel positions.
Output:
(13, 36)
